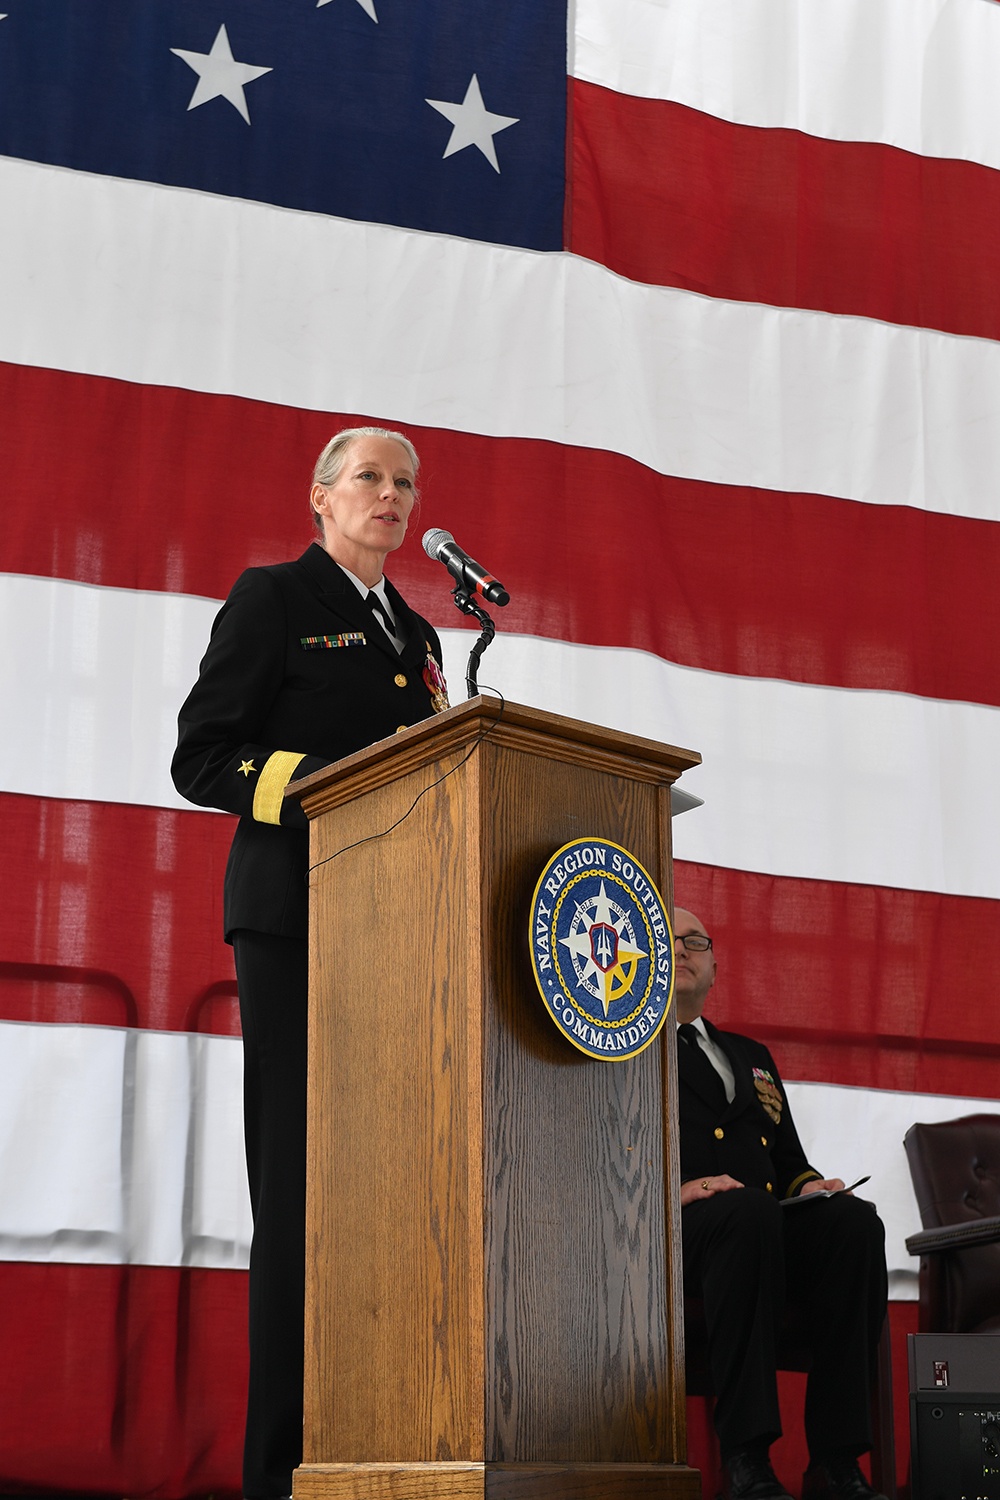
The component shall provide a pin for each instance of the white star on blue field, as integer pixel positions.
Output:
(220, 75)
(473, 124)
(448, 116)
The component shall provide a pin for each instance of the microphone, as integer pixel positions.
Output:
(467, 573)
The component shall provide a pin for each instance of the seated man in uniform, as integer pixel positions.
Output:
(744, 1253)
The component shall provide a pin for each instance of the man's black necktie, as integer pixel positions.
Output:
(707, 1072)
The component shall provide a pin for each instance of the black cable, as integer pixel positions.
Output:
(370, 837)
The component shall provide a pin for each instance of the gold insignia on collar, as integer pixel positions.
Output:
(246, 767)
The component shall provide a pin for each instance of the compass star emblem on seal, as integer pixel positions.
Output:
(604, 948)
(601, 949)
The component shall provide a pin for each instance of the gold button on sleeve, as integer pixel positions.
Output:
(770, 1188)
(401, 727)
(400, 679)
(763, 1140)
(719, 1132)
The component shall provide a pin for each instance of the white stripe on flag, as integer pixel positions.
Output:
(920, 74)
(511, 343)
(97, 678)
(798, 780)
(851, 1132)
(121, 1146)
(813, 782)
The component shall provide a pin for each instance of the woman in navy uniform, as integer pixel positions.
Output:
(308, 661)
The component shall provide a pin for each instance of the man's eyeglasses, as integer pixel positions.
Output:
(694, 942)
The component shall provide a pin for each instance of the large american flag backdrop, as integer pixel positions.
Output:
(692, 310)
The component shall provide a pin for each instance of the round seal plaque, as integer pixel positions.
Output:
(601, 948)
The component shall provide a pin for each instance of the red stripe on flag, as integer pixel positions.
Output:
(122, 1380)
(132, 1379)
(750, 582)
(115, 917)
(852, 984)
(845, 980)
(667, 195)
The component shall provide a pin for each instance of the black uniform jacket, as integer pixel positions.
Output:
(298, 673)
(753, 1139)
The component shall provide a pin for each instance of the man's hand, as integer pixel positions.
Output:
(823, 1184)
(707, 1187)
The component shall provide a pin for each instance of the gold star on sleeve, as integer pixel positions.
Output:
(246, 767)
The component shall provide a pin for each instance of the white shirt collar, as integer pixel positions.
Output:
(718, 1058)
(378, 589)
(362, 588)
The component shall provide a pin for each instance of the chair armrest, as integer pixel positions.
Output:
(955, 1236)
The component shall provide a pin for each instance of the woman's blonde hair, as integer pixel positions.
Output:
(331, 461)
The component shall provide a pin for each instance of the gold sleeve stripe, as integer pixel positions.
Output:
(277, 773)
(803, 1177)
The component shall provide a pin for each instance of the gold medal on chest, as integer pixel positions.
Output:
(435, 683)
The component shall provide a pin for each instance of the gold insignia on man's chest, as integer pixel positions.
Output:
(769, 1094)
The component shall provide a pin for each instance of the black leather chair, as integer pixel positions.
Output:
(955, 1167)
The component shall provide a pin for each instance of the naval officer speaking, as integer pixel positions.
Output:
(308, 661)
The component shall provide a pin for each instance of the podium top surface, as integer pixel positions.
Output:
(499, 721)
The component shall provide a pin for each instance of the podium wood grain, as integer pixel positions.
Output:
(460, 1481)
(493, 1289)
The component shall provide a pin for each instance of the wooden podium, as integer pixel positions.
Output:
(493, 1297)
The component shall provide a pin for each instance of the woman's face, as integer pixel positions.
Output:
(366, 509)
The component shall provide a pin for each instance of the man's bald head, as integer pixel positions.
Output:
(694, 973)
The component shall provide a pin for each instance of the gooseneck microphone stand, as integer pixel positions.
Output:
(469, 606)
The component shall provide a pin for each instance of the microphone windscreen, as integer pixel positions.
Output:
(435, 539)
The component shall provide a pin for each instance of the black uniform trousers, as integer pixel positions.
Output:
(744, 1255)
(271, 974)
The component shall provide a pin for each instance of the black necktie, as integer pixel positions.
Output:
(707, 1071)
(379, 611)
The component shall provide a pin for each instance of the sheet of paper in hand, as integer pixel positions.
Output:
(825, 1192)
